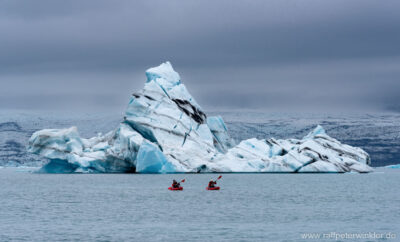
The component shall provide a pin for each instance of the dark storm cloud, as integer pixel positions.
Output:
(262, 54)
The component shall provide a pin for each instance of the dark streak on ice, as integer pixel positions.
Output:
(196, 114)
(148, 97)
(136, 95)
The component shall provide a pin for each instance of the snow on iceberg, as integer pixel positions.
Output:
(164, 130)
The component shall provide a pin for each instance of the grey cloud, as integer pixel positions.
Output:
(263, 54)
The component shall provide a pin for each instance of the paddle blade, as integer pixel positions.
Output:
(183, 180)
(219, 177)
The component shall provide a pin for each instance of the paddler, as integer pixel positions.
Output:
(212, 183)
(175, 184)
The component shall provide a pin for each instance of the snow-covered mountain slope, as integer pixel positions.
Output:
(12, 145)
(165, 130)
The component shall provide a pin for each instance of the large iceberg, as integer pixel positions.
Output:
(166, 131)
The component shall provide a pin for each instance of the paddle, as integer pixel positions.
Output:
(218, 178)
(179, 184)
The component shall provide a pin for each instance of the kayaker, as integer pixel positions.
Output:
(175, 184)
(212, 183)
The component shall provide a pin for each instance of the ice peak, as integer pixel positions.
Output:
(163, 71)
(319, 130)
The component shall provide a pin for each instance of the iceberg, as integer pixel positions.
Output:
(397, 166)
(165, 130)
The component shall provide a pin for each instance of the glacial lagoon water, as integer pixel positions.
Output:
(249, 207)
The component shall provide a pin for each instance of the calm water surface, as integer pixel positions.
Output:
(250, 207)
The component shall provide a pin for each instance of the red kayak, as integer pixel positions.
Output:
(212, 188)
(175, 189)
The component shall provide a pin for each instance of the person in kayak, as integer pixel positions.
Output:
(212, 183)
(175, 184)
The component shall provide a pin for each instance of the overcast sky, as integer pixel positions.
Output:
(270, 55)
